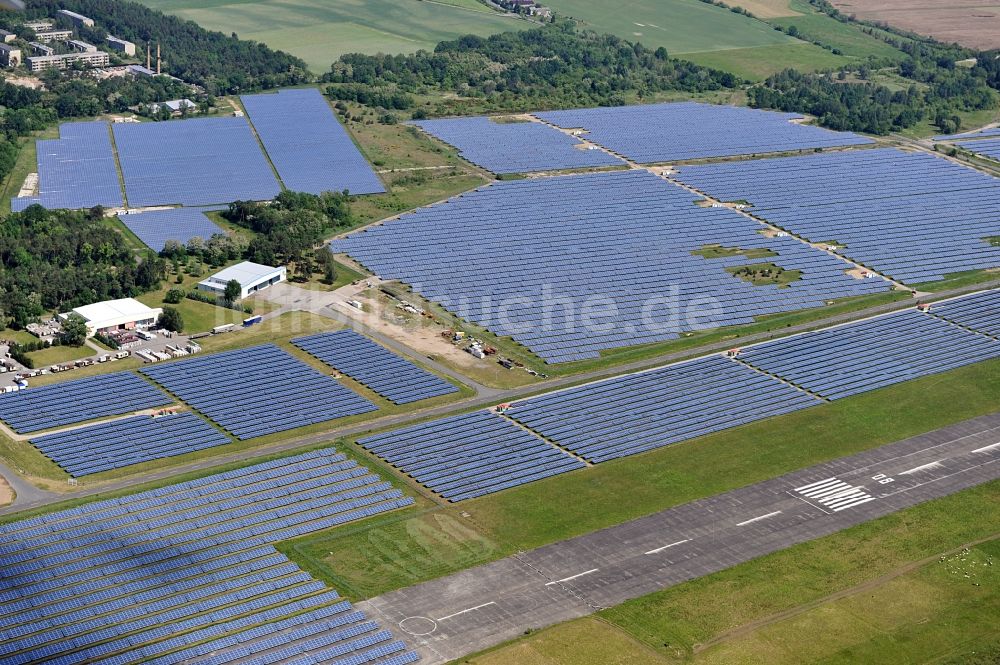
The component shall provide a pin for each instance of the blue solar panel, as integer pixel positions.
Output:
(77, 170)
(396, 379)
(46, 407)
(871, 354)
(258, 391)
(128, 441)
(307, 145)
(982, 133)
(188, 572)
(909, 215)
(516, 147)
(470, 455)
(986, 147)
(639, 412)
(575, 265)
(203, 161)
(979, 312)
(156, 227)
(655, 133)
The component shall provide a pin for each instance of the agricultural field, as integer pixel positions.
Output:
(319, 32)
(974, 24)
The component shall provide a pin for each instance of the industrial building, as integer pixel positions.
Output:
(42, 62)
(48, 36)
(122, 314)
(177, 106)
(10, 56)
(121, 45)
(252, 277)
(79, 19)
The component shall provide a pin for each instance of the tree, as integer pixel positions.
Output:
(74, 330)
(174, 296)
(233, 291)
(171, 319)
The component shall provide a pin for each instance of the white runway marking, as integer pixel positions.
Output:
(759, 518)
(660, 549)
(471, 609)
(573, 577)
(835, 494)
(922, 467)
(985, 448)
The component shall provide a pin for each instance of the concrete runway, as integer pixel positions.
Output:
(481, 607)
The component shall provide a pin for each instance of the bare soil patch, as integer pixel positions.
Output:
(975, 24)
(6, 493)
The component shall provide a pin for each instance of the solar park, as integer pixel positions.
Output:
(258, 391)
(987, 147)
(156, 227)
(392, 377)
(188, 573)
(909, 215)
(515, 147)
(76, 401)
(659, 133)
(308, 146)
(120, 443)
(630, 237)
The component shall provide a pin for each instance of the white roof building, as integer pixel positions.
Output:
(252, 278)
(122, 314)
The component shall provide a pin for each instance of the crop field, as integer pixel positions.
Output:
(320, 31)
(974, 24)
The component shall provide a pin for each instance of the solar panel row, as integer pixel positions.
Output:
(656, 133)
(979, 312)
(909, 215)
(571, 266)
(989, 147)
(307, 145)
(188, 572)
(470, 455)
(991, 131)
(128, 441)
(515, 147)
(155, 227)
(47, 407)
(77, 170)
(197, 162)
(258, 391)
(396, 379)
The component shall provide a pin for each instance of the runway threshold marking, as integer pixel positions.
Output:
(660, 549)
(573, 577)
(758, 518)
(922, 467)
(985, 448)
(471, 609)
(835, 494)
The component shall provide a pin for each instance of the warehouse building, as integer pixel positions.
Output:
(10, 56)
(121, 45)
(253, 277)
(79, 19)
(94, 59)
(122, 314)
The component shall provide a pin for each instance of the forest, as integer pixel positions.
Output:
(54, 260)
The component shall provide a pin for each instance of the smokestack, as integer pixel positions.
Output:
(149, 62)
(158, 61)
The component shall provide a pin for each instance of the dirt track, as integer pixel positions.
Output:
(6, 493)
(973, 23)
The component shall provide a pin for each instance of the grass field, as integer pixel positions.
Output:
(420, 546)
(60, 354)
(894, 590)
(759, 62)
(321, 31)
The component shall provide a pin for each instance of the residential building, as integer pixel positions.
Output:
(79, 19)
(82, 47)
(7, 36)
(48, 36)
(41, 49)
(10, 56)
(121, 45)
(42, 62)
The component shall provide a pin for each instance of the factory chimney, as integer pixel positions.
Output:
(158, 61)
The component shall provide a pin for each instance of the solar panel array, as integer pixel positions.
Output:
(985, 147)
(128, 441)
(992, 131)
(203, 161)
(258, 391)
(912, 216)
(466, 456)
(307, 144)
(980, 312)
(871, 354)
(655, 133)
(513, 255)
(396, 379)
(77, 170)
(188, 573)
(59, 404)
(155, 227)
(639, 412)
(515, 147)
